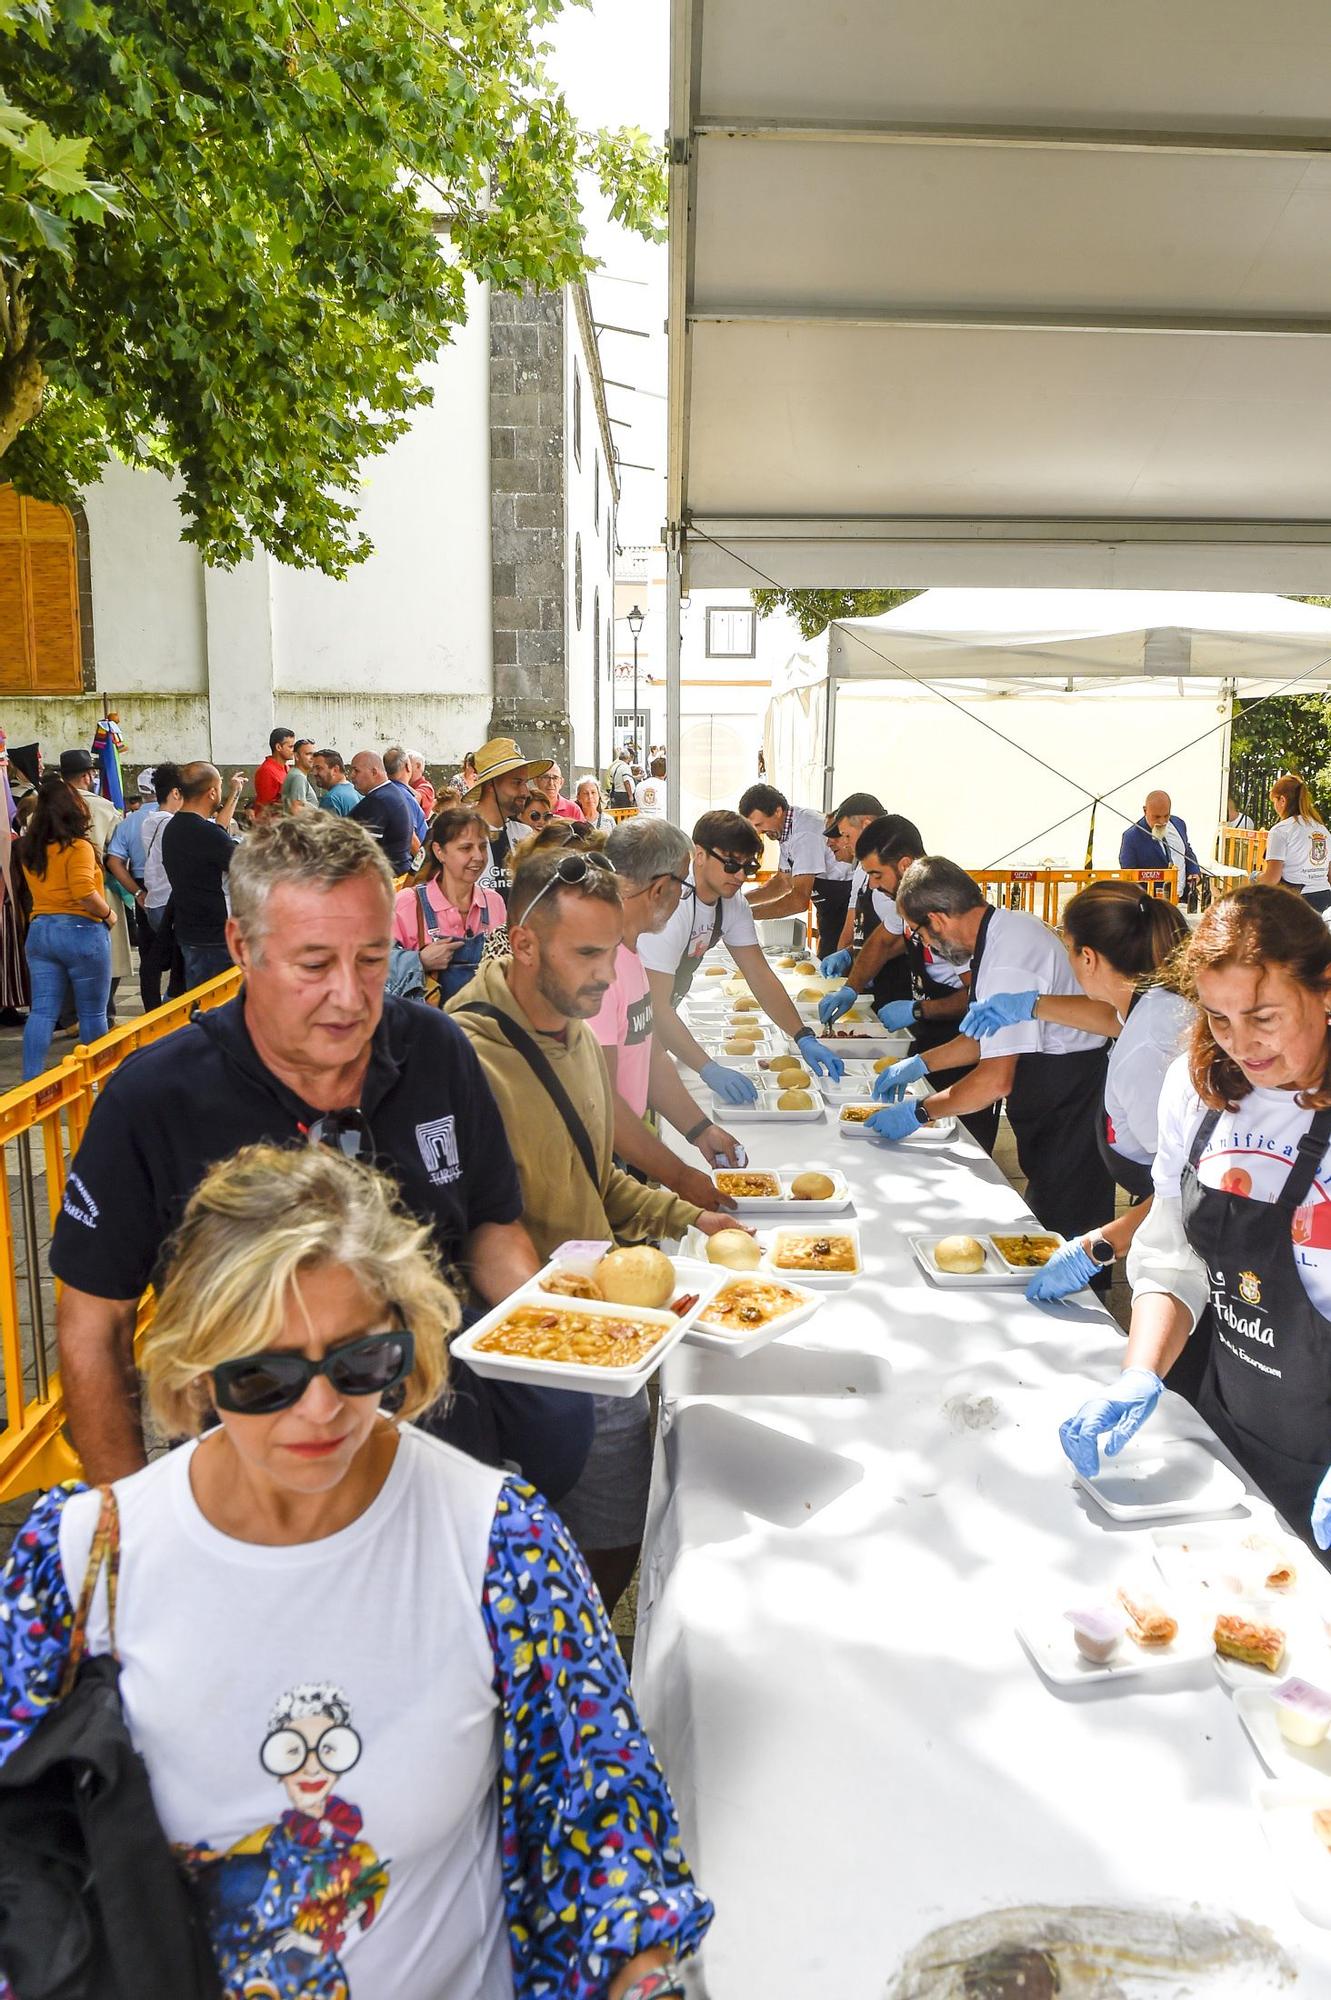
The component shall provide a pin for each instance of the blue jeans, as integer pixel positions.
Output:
(204, 961)
(65, 952)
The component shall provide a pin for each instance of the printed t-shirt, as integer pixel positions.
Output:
(498, 872)
(1301, 845)
(1020, 953)
(689, 931)
(940, 970)
(448, 919)
(1139, 1061)
(650, 798)
(196, 853)
(624, 1024)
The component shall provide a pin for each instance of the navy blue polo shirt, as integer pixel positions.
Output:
(173, 1110)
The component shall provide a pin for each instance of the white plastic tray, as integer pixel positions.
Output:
(936, 1131)
(1254, 1709)
(739, 1345)
(1209, 1557)
(1174, 1480)
(1023, 1271)
(995, 1271)
(1302, 1861)
(1048, 1638)
(768, 1268)
(765, 1108)
(703, 1279)
(1307, 1653)
(755, 1206)
(866, 1047)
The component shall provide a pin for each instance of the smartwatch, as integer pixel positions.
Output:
(1101, 1251)
(921, 1113)
(917, 1011)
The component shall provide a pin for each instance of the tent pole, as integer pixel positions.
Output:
(674, 556)
(829, 731)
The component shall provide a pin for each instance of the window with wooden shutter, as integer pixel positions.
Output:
(40, 644)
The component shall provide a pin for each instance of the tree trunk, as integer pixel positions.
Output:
(22, 377)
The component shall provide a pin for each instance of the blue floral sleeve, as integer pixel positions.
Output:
(36, 1618)
(593, 1867)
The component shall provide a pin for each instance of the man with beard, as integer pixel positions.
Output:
(503, 781)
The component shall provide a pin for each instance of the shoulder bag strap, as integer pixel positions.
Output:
(104, 1554)
(542, 1069)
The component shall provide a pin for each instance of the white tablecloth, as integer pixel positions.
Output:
(843, 1527)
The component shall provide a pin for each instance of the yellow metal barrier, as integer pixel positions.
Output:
(1241, 847)
(57, 1104)
(1044, 892)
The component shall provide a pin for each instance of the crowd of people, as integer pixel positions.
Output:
(459, 1040)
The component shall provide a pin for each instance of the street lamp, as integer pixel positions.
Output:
(634, 620)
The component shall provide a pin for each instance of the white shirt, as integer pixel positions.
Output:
(1249, 1153)
(220, 1639)
(650, 798)
(689, 932)
(1020, 953)
(804, 849)
(154, 874)
(1301, 845)
(892, 920)
(1152, 1039)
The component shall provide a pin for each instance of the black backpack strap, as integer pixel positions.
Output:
(717, 922)
(543, 1070)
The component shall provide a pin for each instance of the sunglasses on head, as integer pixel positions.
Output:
(732, 863)
(258, 1385)
(571, 870)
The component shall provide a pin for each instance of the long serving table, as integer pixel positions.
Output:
(878, 1790)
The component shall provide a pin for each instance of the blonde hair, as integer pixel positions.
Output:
(253, 1225)
(1293, 800)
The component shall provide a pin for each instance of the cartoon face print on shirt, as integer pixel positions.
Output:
(283, 1902)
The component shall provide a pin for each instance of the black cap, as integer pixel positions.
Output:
(73, 762)
(858, 805)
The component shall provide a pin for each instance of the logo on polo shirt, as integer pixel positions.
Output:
(437, 1139)
(79, 1205)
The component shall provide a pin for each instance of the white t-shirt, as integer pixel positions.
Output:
(689, 932)
(892, 920)
(1151, 1041)
(1020, 953)
(233, 1653)
(156, 886)
(1250, 1153)
(804, 849)
(650, 798)
(1302, 846)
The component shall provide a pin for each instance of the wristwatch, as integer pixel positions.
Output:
(654, 1985)
(917, 1011)
(1101, 1251)
(921, 1111)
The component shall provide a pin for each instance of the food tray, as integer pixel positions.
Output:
(1175, 1480)
(729, 1114)
(697, 1250)
(995, 1271)
(1047, 1637)
(1307, 1654)
(939, 1129)
(1302, 1861)
(1254, 1709)
(740, 1345)
(865, 1046)
(702, 1279)
(754, 1206)
(1026, 1271)
(1210, 1558)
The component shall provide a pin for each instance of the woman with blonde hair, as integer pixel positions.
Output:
(1297, 852)
(386, 1724)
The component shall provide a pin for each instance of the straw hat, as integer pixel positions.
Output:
(496, 759)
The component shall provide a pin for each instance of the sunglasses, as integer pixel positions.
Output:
(259, 1385)
(572, 870)
(732, 863)
(347, 1132)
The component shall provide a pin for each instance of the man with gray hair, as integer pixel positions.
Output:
(1052, 1076)
(311, 1053)
(651, 859)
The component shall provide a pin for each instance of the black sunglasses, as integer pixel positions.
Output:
(732, 863)
(258, 1385)
(571, 870)
(347, 1132)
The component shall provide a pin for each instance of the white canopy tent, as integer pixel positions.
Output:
(998, 716)
(987, 292)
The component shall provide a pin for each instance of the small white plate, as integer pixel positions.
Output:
(1303, 1861)
(1024, 1271)
(785, 1204)
(938, 1129)
(995, 1271)
(766, 1107)
(1255, 1710)
(1047, 1636)
(1211, 1558)
(740, 1344)
(1307, 1654)
(833, 1231)
(1175, 1480)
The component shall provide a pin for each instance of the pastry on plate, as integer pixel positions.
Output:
(1244, 1639)
(571, 1285)
(1148, 1625)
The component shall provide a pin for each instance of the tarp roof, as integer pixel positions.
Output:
(1001, 291)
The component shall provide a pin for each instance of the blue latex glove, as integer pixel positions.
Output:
(1001, 1010)
(897, 1014)
(836, 965)
(1120, 1413)
(833, 1005)
(1321, 1514)
(730, 1085)
(895, 1121)
(889, 1088)
(820, 1060)
(1068, 1270)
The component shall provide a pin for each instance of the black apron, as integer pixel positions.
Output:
(1055, 1108)
(831, 901)
(1266, 1385)
(982, 1125)
(893, 980)
(1133, 1176)
(687, 969)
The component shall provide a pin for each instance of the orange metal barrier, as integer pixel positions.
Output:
(1044, 892)
(57, 1105)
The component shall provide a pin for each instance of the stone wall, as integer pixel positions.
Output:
(527, 521)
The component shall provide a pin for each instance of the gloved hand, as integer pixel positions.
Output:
(1321, 1514)
(1001, 1010)
(833, 1005)
(836, 965)
(895, 1121)
(1068, 1270)
(820, 1060)
(890, 1086)
(730, 1085)
(1120, 1412)
(897, 1014)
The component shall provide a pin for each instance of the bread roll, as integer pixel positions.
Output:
(810, 993)
(792, 1076)
(744, 1004)
(805, 965)
(788, 962)
(740, 1045)
(639, 1276)
(734, 1248)
(812, 1187)
(794, 1100)
(959, 1253)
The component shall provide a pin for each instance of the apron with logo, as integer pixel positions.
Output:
(1266, 1385)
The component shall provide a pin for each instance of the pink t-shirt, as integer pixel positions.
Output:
(565, 809)
(447, 920)
(624, 1024)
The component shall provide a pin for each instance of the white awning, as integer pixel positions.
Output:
(984, 292)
